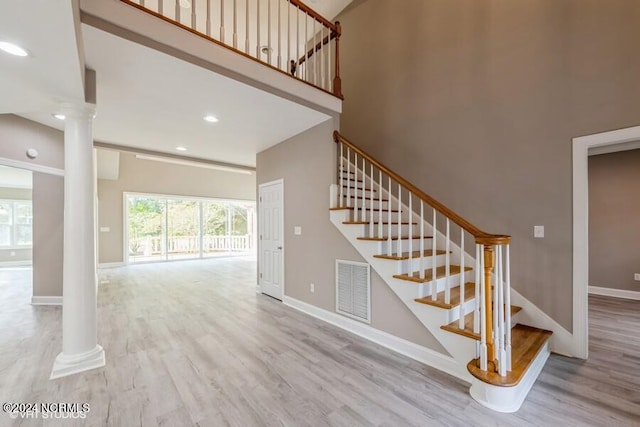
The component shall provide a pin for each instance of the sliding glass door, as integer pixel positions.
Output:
(170, 228)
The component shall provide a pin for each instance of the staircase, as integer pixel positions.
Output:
(420, 248)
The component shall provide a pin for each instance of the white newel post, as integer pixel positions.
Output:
(80, 349)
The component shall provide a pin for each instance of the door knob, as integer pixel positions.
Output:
(280, 247)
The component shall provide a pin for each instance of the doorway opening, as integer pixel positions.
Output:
(618, 140)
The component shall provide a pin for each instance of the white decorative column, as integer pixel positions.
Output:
(80, 349)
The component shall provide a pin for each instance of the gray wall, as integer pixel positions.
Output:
(306, 162)
(614, 220)
(16, 136)
(19, 255)
(476, 102)
(146, 176)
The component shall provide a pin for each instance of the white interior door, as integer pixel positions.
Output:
(271, 240)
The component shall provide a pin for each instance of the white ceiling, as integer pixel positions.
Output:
(15, 178)
(52, 73)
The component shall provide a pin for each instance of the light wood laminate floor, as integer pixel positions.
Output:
(191, 343)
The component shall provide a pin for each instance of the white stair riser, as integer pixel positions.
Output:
(357, 203)
(404, 245)
(358, 192)
(405, 229)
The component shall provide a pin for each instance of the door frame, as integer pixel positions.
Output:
(625, 139)
(284, 247)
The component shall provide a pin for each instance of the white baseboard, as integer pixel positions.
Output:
(111, 264)
(37, 300)
(616, 293)
(414, 351)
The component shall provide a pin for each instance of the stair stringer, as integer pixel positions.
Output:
(460, 348)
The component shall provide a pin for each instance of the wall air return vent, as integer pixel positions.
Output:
(353, 290)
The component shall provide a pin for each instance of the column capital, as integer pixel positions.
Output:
(79, 111)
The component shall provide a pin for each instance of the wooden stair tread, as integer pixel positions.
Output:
(385, 238)
(440, 273)
(468, 325)
(469, 293)
(414, 254)
(526, 343)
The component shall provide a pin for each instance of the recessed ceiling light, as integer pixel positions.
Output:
(181, 148)
(59, 116)
(185, 4)
(211, 119)
(13, 49)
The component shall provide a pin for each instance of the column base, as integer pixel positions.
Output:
(72, 364)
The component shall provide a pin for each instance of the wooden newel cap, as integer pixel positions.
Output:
(493, 239)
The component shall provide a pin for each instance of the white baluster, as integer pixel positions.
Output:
(235, 24)
(495, 309)
(348, 177)
(258, 47)
(329, 79)
(421, 238)
(247, 45)
(434, 283)
(315, 57)
(341, 174)
(483, 315)
(399, 245)
(410, 234)
(461, 320)
(269, 32)
(507, 295)
(447, 273)
(355, 178)
(161, 7)
(476, 310)
(177, 10)
(279, 36)
(193, 14)
(322, 55)
(306, 54)
(287, 62)
(502, 366)
(370, 202)
(222, 21)
(297, 41)
(389, 206)
(208, 29)
(380, 225)
(363, 200)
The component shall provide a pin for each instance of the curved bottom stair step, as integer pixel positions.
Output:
(454, 327)
(526, 343)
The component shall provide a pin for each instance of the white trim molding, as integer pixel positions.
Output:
(25, 263)
(43, 300)
(31, 166)
(581, 147)
(615, 293)
(407, 348)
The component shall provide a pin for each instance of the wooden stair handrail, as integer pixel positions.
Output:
(315, 15)
(480, 236)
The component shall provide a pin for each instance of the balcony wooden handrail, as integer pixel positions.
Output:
(288, 66)
(315, 15)
(480, 236)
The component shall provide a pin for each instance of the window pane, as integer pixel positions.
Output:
(183, 229)
(23, 235)
(6, 216)
(146, 216)
(5, 235)
(23, 213)
(215, 241)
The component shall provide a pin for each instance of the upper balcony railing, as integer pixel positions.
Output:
(286, 35)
